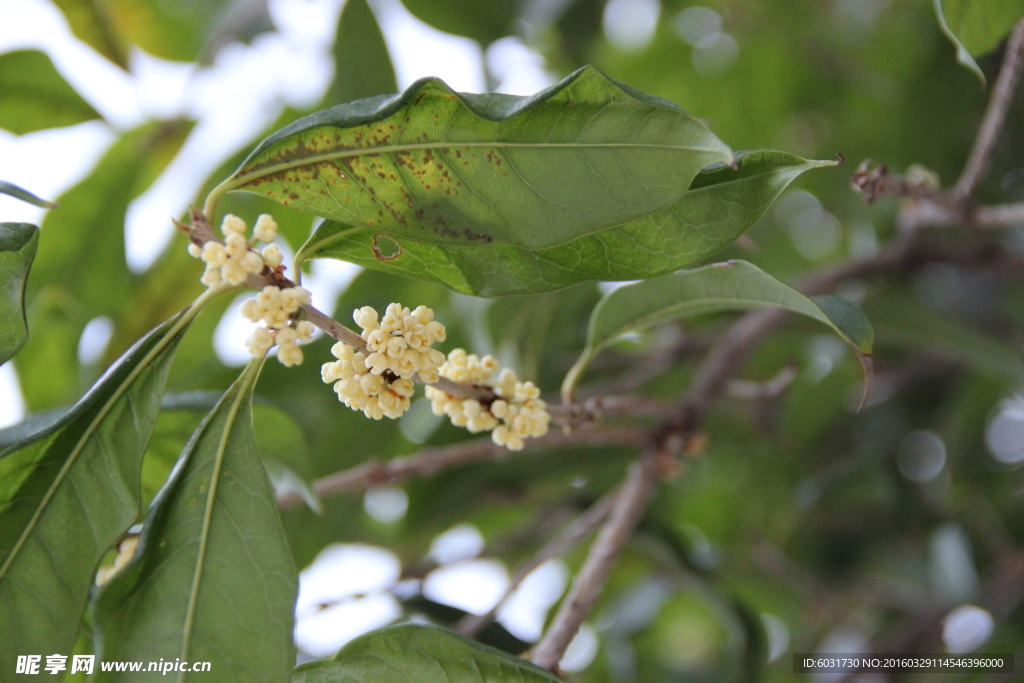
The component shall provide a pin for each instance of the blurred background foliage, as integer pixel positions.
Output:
(803, 525)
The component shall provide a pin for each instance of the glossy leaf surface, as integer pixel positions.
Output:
(69, 492)
(452, 168)
(212, 579)
(720, 205)
(18, 242)
(421, 653)
(33, 96)
(279, 441)
(735, 285)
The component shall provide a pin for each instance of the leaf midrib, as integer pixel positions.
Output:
(94, 424)
(310, 247)
(244, 387)
(237, 181)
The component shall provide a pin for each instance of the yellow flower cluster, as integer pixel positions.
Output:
(401, 341)
(517, 413)
(380, 383)
(360, 388)
(275, 307)
(233, 260)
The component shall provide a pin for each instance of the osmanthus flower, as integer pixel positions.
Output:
(380, 383)
(400, 343)
(516, 414)
(275, 307)
(125, 551)
(234, 259)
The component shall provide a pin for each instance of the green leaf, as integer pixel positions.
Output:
(720, 206)
(482, 20)
(18, 242)
(976, 27)
(963, 55)
(48, 367)
(362, 66)
(24, 195)
(212, 578)
(282, 447)
(90, 23)
(460, 169)
(420, 653)
(69, 492)
(185, 30)
(734, 285)
(33, 96)
(279, 441)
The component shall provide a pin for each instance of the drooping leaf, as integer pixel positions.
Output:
(482, 20)
(460, 169)
(212, 578)
(362, 66)
(976, 27)
(421, 653)
(720, 206)
(18, 242)
(90, 23)
(734, 285)
(67, 493)
(33, 96)
(963, 55)
(24, 195)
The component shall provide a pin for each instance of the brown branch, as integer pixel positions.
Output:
(927, 205)
(995, 116)
(754, 391)
(565, 541)
(998, 216)
(429, 461)
(626, 511)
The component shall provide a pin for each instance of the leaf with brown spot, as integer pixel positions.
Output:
(720, 206)
(580, 157)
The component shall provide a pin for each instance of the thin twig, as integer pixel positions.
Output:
(754, 391)
(565, 541)
(995, 116)
(998, 216)
(429, 461)
(200, 232)
(625, 513)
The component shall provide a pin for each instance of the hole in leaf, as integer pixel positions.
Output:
(387, 249)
